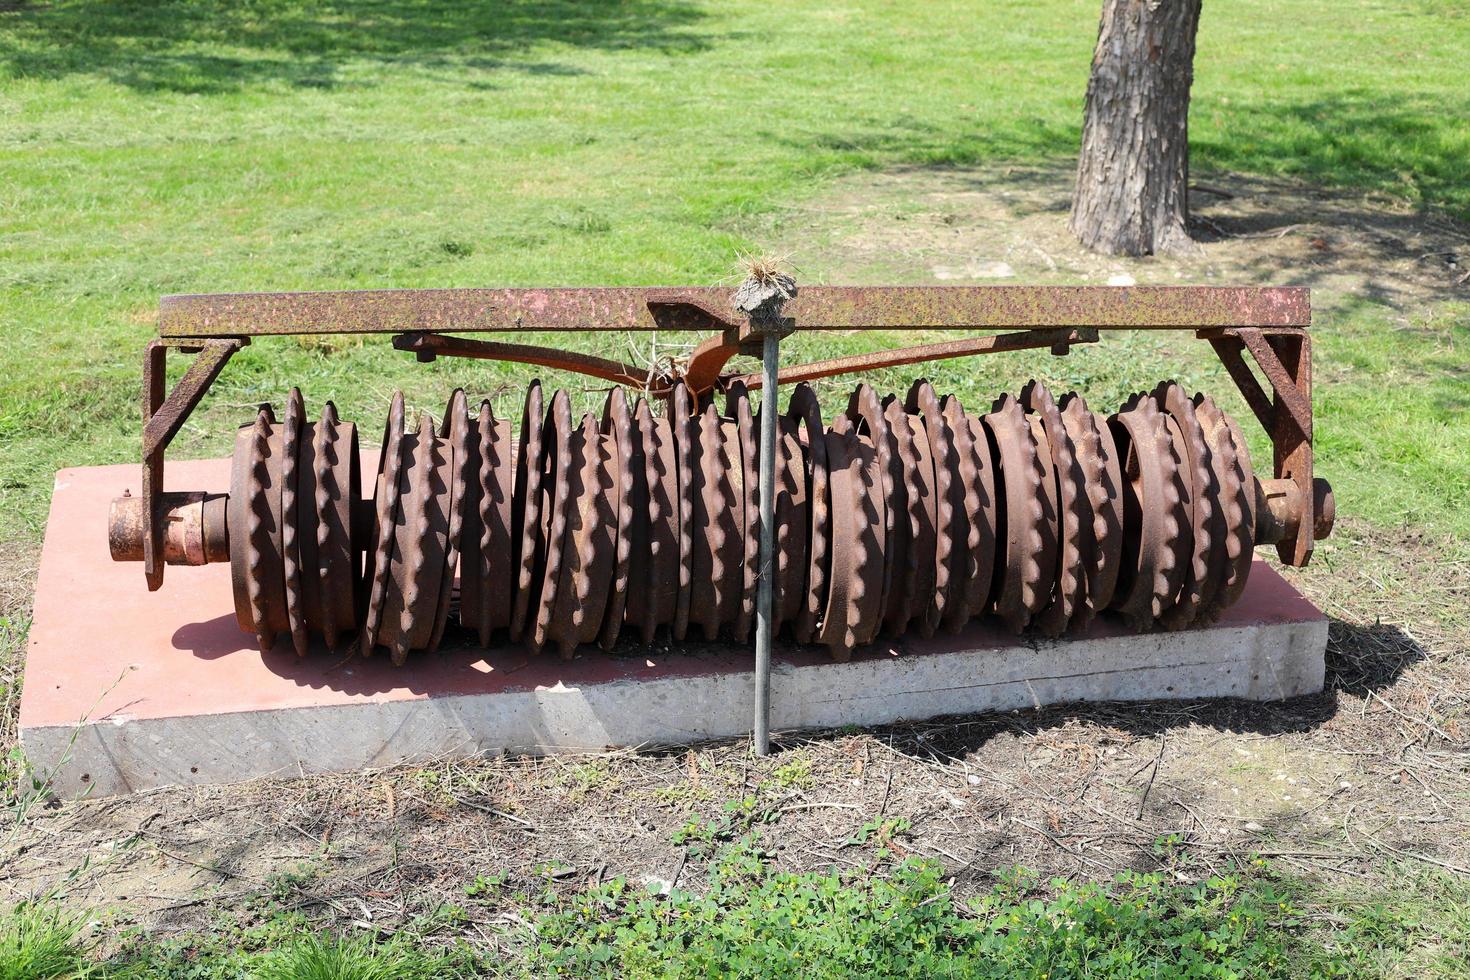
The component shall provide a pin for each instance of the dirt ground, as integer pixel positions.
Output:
(1010, 224)
(1376, 767)
(1373, 773)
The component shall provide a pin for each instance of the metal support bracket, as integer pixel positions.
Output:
(1284, 356)
(163, 416)
(706, 367)
(1059, 341)
(428, 346)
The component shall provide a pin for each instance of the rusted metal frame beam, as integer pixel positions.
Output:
(703, 372)
(428, 346)
(1059, 341)
(703, 308)
(1286, 381)
(155, 380)
(1285, 358)
(1229, 349)
(163, 416)
(1291, 439)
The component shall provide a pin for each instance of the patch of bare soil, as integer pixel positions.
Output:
(1372, 774)
(994, 226)
(18, 564)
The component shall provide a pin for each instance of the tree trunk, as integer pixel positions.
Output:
(1133, 175)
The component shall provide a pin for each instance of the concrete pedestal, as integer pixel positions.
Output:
(127, 690)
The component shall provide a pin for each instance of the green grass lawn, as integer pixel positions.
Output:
(200, 145)
(162, 147)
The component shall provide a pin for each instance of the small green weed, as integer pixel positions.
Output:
(285, 884)
(738, 817)
(682, 794)
(486, 885)
(795, 772)
(754, 922)
(40, 941)
(586, 776)
(880, 831)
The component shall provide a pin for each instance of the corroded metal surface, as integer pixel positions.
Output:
(526, 509)
(700, 308)
(292, 555)
(804, 411)
(903, 514)
(1024, 553)
(1069, 495)
(428, 346)
(1059, 341)
(485, 592)
(1268, 324)
(630, 509)
(900, 515)
(1100, 531)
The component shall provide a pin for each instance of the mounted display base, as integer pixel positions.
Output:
(122, 696)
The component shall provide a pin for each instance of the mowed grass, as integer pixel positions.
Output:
(200, 146)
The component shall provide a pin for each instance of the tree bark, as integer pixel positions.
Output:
(1132, 194)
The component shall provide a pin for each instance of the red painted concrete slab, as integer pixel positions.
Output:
(103, 647)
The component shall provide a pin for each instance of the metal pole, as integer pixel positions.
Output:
(765, 596)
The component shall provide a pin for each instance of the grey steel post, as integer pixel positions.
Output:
(766, 593)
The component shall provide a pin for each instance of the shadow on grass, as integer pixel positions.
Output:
(1360, 658)
(1411, 146)
(1361, 253)
(215, 46)
(1368, 657)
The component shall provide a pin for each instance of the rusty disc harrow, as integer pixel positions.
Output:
(900, 515)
